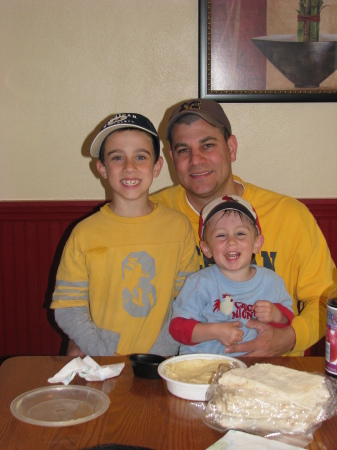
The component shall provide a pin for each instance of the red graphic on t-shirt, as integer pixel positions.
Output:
(242, 311)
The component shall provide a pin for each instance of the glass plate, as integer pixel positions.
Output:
(60, 406)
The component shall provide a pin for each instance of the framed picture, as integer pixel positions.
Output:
(268, 50)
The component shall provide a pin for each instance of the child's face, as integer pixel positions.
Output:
(129, 164)
(231, 240)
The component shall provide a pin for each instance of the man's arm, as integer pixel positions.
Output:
(270, 341)
(89, 339)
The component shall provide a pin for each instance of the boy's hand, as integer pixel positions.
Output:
(228, 333)
(266, 312)
(74, 350)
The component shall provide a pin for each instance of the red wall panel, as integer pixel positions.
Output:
(32, 236)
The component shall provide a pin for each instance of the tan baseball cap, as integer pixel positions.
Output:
(208, 110)
(233, 202)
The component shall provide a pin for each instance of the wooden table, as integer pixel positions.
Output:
(142, 412)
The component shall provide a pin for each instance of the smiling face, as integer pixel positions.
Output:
(231, 239)
(203, 159)
(129, 166)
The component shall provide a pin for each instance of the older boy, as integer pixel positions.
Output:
(214, 305)
(122, 267)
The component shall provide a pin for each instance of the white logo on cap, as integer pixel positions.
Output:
(118, 118)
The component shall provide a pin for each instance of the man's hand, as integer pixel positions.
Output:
(270, 341)
(74, 350)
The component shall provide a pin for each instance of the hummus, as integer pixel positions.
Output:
(197, 371)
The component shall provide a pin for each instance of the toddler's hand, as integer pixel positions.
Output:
(266, 311)
(229, 333)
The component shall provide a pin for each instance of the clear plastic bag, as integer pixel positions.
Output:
(286, 411)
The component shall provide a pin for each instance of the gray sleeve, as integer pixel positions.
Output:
(93, 341)
(165, 345)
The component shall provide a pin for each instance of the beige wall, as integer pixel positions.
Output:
(66, 65)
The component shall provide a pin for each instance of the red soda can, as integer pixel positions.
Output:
(331, 338)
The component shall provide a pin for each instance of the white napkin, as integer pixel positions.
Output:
(241, 441)
(86, 368)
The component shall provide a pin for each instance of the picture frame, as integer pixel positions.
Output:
(233, 69)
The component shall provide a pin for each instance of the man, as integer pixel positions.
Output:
(203, 149)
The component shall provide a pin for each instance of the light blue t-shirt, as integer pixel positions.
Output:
(208, 297)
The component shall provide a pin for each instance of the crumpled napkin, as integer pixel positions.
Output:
(86, 368)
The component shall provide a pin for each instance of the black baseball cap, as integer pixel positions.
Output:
(124, 120)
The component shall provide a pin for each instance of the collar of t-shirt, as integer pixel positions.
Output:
(191, 206)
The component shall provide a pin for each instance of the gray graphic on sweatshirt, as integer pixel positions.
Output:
(139, 296)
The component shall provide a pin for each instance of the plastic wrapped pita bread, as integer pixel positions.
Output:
(267, 399)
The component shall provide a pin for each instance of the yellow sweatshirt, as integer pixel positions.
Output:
(127, 271)
(294, 248)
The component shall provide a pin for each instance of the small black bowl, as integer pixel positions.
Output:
(146, 365)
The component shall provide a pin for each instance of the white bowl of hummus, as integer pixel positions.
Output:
(189, 376)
